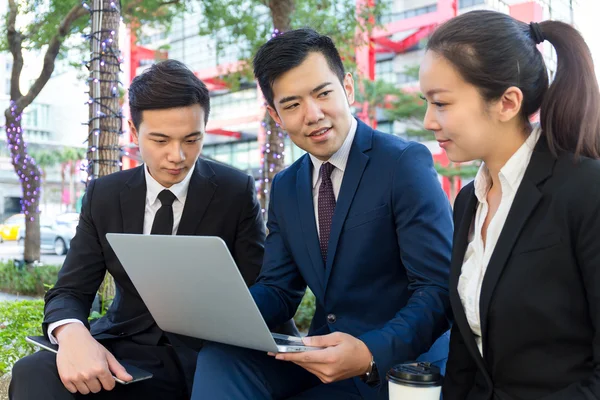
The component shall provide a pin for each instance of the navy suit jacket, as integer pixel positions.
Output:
(386, 276)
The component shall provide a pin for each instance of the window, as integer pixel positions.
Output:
(385, 126)
(396, 16)
(36, 116)
(242, 102)
(469, 3)
(384, 70)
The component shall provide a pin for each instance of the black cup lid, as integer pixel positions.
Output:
(415, 374)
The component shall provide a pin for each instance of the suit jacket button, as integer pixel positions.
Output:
(331, 318)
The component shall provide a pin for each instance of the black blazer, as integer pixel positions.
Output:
(221, 201)
(540, 298)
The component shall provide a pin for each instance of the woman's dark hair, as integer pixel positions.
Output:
(494, 51)
(167, 84)
(287, 51)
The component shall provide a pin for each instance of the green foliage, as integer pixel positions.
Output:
(376, 92)
(152, 13)
(398, 104)
(96, 315)
(71, 154)
(18, 319)
(48, 158)
(409, 106)
(31, 281)
(306, 311)
(454, 170)
(39, 20)
(248, 24)
(45, 158)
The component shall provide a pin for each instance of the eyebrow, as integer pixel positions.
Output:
(290, 98)
(435, 91)
(162, 135)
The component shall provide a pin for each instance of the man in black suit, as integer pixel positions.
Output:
(173, 192)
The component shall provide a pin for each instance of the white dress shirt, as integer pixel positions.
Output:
(153, 188)
(478, 255)
(339, 160)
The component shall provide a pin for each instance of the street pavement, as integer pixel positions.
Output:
(12, 250)
(8, 296)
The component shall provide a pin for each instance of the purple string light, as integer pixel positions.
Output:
(24, 165)
(108, 55)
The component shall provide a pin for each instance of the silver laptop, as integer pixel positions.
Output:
(192, 287)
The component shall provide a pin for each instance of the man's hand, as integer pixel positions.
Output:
(84, 365)
(344, 356)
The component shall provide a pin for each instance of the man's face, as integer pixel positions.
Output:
(170, 141)
(313, 106)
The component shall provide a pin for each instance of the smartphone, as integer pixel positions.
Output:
(138, 374)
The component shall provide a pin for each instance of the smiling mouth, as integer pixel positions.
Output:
(320, 132)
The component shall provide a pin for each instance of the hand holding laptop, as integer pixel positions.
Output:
(343, 356)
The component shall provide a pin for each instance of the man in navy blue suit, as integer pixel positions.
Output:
(361, 219)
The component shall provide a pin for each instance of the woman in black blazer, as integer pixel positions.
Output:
(525, 278)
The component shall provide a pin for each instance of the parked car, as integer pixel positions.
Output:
(9, 230)
(55, 234)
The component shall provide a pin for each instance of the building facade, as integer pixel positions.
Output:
(234, 129)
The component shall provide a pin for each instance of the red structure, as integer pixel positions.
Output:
(420, 27)
(412, 30)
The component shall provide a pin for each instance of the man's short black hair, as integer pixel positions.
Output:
(166, 84)
(288, 50)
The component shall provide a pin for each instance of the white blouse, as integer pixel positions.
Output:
(478, 255)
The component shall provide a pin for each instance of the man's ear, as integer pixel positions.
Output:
(274, 115)
(349, 88)
(134, 132)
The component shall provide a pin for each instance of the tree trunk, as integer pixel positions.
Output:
(29, 174)
(105, 116)
(274, 150)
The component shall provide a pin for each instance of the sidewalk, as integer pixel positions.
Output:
(8, 296)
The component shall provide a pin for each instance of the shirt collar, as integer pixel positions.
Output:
(153, 188)
(511, 174)
(340, 158)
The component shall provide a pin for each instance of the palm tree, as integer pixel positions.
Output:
(69, 158)
(373, 95)
(44, 159)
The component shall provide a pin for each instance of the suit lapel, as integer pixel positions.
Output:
(133, 202)
(304, 194)
(466, 211)
(200, 193)
(357, 162)
(526, 199)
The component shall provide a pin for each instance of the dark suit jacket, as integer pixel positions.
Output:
(220, 202)
(540, 299)
(386, 276)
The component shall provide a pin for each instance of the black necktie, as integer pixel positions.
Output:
(326, 207)
(163, 220)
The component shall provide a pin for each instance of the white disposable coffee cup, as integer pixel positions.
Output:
(415, 381)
